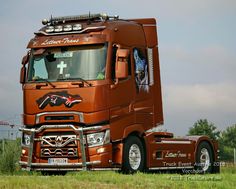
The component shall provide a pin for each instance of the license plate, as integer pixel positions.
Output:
(58, 160)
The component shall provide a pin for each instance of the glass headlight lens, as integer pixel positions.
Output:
(26, 139)
(97, 139)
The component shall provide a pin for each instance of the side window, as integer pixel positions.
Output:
(141, 69)
(113, 65)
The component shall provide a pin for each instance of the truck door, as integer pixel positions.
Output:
(122, 94)
(143, 105)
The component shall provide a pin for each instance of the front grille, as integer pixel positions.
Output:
(59, 152)
(59, 146)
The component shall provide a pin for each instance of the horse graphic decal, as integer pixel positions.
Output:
(57, 99)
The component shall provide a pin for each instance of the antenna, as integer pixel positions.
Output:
(89, 17)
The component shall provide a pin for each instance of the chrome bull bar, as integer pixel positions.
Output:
(79, 130)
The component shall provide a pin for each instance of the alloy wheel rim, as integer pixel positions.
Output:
(204, 159)
(134, 156)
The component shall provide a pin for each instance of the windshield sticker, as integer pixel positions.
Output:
(61, 66)
(63, 55)
(57, 99)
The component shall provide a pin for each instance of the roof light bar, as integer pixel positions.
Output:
(63, 19)
(66, 28)
(51, 31)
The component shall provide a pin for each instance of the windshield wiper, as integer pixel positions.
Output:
(41, 79)
(77, 78)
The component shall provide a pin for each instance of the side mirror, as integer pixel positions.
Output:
(25, 61)
(122, 56)
(22, 75)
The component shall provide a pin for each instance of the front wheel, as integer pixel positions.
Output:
(204, 158)
(133, 155)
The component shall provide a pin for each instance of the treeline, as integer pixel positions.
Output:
(225, 138)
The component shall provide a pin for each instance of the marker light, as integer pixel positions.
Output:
(23, 151)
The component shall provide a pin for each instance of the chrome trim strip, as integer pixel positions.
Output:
(72, 169)
(60, 127)
(59, 145)
(174, 142)
(167, 168)
(82, 148)
(80, 114)
(60, 165)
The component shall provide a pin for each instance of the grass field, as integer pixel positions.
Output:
(111, 180)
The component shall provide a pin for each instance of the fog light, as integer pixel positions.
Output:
(23, 151)
(100, 150)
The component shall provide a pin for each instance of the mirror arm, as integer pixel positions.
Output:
(114, 85)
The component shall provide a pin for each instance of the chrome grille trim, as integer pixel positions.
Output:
(62, 152)
(59, 140)
(59, 146)
(80, 114)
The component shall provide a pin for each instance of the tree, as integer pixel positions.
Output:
(203, 127)
(227, 143)
(229, 136)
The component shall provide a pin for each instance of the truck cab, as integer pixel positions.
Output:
(92, 93)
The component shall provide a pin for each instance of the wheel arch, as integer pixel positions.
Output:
(138, 131)
(213, 144)
(135, 130)
(199, 139)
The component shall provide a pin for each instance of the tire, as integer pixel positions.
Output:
(133, 155)
(204, 158)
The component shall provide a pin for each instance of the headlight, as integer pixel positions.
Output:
(26, 139)
(98, 139)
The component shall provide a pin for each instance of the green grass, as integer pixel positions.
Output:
(111, 180)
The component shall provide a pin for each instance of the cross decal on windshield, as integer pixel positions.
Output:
(61, 66)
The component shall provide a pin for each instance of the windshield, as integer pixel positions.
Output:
(67, 63)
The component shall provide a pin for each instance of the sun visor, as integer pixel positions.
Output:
(68, 40)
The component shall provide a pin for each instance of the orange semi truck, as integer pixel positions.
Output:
(92, 100)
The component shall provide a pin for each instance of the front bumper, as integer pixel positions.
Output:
(88, 158)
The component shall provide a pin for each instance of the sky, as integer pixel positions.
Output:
(197, 47)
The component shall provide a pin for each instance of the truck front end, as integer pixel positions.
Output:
(65, 81)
